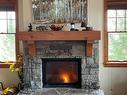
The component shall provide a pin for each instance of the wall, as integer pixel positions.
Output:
(8, 78)
(112, 80)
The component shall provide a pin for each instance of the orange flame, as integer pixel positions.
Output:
(65, 77)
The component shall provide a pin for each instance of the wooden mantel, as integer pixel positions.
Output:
(32, 37)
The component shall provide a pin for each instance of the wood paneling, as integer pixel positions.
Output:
(31, 48)
(89, 48)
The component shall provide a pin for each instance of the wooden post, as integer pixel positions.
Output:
(31, 48)
(89, 48)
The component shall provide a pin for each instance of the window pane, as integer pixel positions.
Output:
(111, 24)
(3, 15)
(11, 26)
(111, 13)
(3, 26)
(126, 13)
(117, 46)
(120, 24)
(120, 13)
(11, 15)
(7, 48)
(126, 24)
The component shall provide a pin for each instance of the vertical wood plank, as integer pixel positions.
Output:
(31, 48)
(89, 48)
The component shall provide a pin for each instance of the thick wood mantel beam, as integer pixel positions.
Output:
(32, 37)
(59, 35)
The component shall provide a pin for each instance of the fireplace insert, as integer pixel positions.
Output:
(61, 72)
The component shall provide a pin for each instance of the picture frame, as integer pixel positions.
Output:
(59, 11)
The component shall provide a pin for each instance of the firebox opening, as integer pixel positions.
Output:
(61, 72)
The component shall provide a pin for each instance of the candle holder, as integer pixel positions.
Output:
(72, 26)
(83, 25)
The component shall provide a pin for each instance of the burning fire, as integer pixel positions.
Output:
(65, 78)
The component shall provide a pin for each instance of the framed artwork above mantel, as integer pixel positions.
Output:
(59, 11)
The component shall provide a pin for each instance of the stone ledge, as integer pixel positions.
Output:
(61, 91)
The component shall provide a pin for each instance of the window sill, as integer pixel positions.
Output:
(115, 64)
(4, 65)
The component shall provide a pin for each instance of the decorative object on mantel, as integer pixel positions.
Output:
(88, 28)
(72, 27)
(56, 27)
(30, 28)
(83, 25)
(41, 28)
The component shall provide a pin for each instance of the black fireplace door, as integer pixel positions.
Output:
(61, 72)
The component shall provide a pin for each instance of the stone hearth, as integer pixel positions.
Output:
(60, 91)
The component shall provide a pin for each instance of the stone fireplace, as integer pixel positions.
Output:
(61, 64)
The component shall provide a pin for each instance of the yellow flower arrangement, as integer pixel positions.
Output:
(5, 91)
(11, 90)
(13, 67)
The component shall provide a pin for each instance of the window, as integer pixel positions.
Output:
(115, 33)
(7, 35)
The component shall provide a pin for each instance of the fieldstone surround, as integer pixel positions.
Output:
(61, 49)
